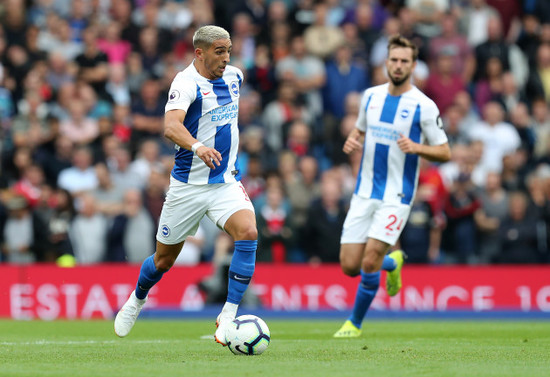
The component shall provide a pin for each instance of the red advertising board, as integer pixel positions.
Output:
(50, 292)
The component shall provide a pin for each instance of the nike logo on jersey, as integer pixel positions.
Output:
(205, 93)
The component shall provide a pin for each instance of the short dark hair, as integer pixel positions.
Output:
(400, 41)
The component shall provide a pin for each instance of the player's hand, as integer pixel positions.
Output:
(407, 145)
(351, 145)
(211, 157)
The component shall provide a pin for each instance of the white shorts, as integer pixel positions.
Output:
(373, 218)
(185, 205)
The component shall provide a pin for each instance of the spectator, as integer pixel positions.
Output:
(538, 84)
(64, 42)
(324, 221)
(421, 237)
(81, 176)
(121, 12)
(56, 159)
(470, 114)
(253, 181)
(58, 224)
(131, 237)
(147, 114)
(474, 21)
(108, 196)
(343, 76)
(379, 50)
(518, 232)
(306, 71)
(93, 64)
(286, 108)
(443, 83)
(303, 188)
(541, 118)
(147, 158)
(274, 231)
(522, 121)
(493, 211)
(24, 234)
(116, 49)
(298, 139)
(364, 19)
(123, 173)
(459, 238)
(452, 120)
(30, 185)
(499, 138)
(529, 40)
(78, 127)
(427, 14)
(244, 32)
(155, 192)
(451, 41)
(117, 86)
(490, 86)
(322, 38)
(78, 19)
(30, 126)
(88, 232)
(261, 75)
(497, 47)
(60, 71)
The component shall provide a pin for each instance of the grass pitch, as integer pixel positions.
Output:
(298, 348)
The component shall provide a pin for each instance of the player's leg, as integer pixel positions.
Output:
(241, 226)
(151, 272)
(233, 212)
(352, 252)
(180, 217)
(388, 223)
(371, 256)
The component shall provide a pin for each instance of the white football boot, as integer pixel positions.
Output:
(127, 315)
(222, 322)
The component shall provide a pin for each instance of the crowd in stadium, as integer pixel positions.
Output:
(85, 165)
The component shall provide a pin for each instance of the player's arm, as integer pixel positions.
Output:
(437, 153)
(354, 141)
(176, 132)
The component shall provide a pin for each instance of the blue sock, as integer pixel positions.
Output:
(368, 286)
(389, 264)
(241, 269)
(148, 277)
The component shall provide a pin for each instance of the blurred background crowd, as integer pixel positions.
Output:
(84, 164)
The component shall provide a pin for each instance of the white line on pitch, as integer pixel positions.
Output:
(77, 342)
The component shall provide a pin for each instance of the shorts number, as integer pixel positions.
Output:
(393, 220)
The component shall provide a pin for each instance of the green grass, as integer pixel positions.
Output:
(298, 348)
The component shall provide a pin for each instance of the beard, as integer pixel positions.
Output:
(399, 81)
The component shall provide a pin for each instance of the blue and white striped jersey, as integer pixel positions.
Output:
(212, 108)
(386, 173)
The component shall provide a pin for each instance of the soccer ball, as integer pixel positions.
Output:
(248, 335)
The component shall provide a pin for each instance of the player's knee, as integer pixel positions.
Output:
(369, 267)
(247, 233)
(350, 269)
(163, 264)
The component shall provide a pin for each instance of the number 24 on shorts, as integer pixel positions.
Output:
(392, 221)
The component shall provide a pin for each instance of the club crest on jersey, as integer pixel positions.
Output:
(404, 114)
(165, 230)
(173, 96)
(234, 88)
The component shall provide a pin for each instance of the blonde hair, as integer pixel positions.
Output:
(206, 35)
